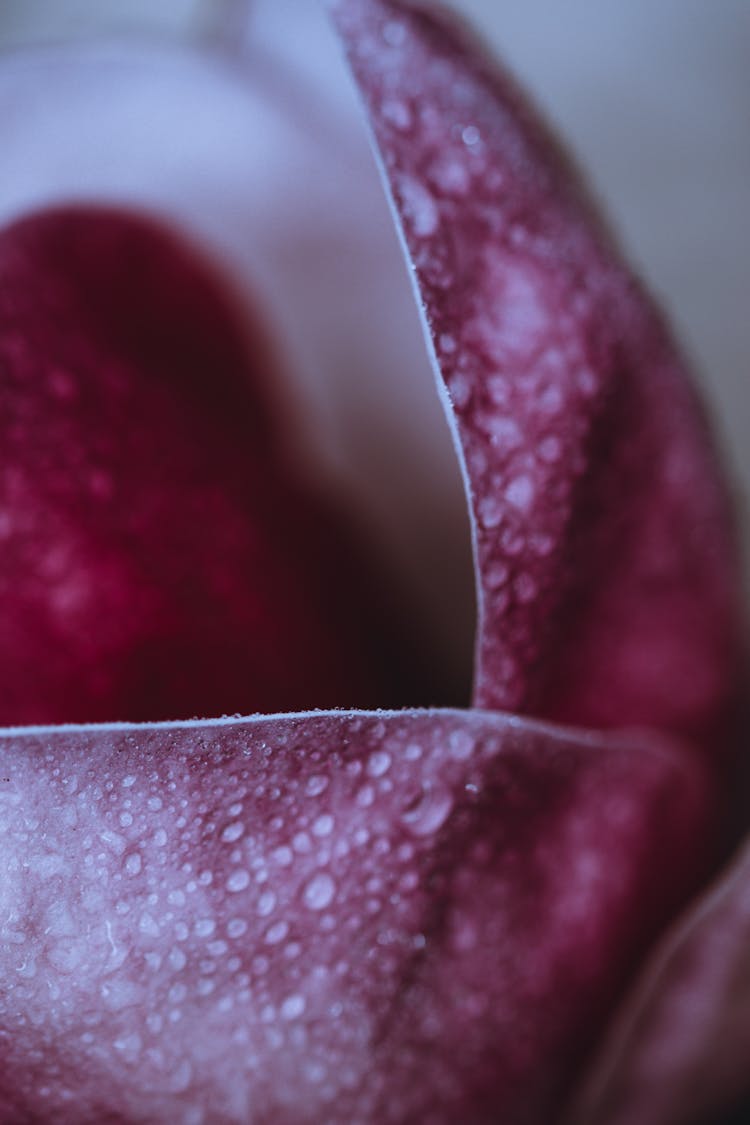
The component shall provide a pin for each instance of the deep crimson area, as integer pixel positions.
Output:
(158, 559)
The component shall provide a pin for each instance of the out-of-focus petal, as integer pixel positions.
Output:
(608, 580)
(678, 1055)
(234, 151)
(160, 557)
(338, 917)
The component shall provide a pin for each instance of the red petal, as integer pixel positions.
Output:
(159, 559)
(608, 578)
(377, 918)
(679, 1053)
(278, 184)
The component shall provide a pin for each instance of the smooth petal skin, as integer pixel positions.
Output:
(160, 555)
(678, 1053)
(221, 149)
(362, 918)
(608, 584)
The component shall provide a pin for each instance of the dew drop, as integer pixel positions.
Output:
(379, 763)
(133, 863)
(181, 1077)
(460, 745)
(319, 891)
(520, 492)
(266, 903)
(428, 810)
(316, 785)
(177, 959)
(323, 826)
(238, 881)
(277, 932)
(292, 1007)
(233, 832)
(366, 796)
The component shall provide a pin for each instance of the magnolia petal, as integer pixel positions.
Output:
(372, 917)
(234, 152)
(678, 1054)
(159, 557)
(608, 582)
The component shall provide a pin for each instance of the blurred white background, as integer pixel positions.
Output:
(653, 95)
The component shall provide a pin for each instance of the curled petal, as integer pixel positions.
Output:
(608, 582)
(373, 917)
(678, 1053)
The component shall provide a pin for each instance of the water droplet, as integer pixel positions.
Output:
(319, 891)
(323, 826)
(520, 492)
(266, 903)
(428, 810)
(177, 959)
(181, 1077)
(236, 927)
(233, 832)
(460, 745)
(238, 880)
(550, 449)
(129, 781)
(471, 136)
(133, 863)
(292, 1007)
(396, 113)
(419, 207)
(490, 512)
(302, 843)
(316, 785)
(113, 840)
(366, 796)
(148, 925)
(277, 932)
(379, 763)
(204, 927)
(525, 588)
(129, 1044)
(177, 993)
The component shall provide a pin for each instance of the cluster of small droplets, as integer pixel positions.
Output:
(551, 358)
(231, 906)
